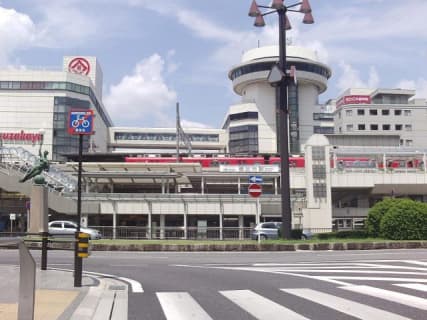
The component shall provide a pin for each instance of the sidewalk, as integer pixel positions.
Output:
(56, 298)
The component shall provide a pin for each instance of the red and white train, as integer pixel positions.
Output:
(294, 162)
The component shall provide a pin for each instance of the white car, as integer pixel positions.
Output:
(69, 228)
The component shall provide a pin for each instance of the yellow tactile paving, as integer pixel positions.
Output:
(49, 305)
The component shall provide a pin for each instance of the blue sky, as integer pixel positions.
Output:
(154, 53)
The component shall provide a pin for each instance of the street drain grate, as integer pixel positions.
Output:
(114, 287)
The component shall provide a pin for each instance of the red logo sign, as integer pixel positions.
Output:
(353, 100)
(255, 190)
(21, 137)
(79, 65)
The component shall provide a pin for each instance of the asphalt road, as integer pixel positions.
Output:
(381, 284)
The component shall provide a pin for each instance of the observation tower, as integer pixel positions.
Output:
(252, 124)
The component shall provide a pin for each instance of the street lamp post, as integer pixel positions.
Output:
(281, 9)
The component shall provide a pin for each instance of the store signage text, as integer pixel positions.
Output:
(21, 137)
(353, 100)
(248, 168)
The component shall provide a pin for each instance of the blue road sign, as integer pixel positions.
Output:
(80, 122)
(255, 179)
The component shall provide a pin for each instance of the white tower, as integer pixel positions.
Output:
(252, 124)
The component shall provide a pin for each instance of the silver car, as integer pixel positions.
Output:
(69, 228)
(270, 230)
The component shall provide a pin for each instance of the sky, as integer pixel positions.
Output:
(156, 53)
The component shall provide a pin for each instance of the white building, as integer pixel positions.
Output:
(382, 112)
(252, 124)
(34, 106)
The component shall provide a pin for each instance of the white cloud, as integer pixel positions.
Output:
(143, 98)
(420, 85)
(350, 78)
(192, 124)
(16, 32)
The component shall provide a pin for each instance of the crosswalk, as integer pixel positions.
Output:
(376, 289)
(183, 306)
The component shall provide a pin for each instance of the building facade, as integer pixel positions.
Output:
(34, 107)
(382, 112)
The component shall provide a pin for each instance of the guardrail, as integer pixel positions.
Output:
(27, 278)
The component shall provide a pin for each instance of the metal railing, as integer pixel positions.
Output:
(182, 233)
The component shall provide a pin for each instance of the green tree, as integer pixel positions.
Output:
(406, 220)
(375, 215)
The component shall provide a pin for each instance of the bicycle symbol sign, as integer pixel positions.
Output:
(80, 122)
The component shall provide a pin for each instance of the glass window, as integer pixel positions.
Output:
(360, 112)
(397, 112)
(349, 127)
(56, 225)
(385, 112)
(69, 225)
(386, 127)
(398, 127)
(407, 113)
(408, 127)
(409, 143)
(361, 127)
(373, 112)
(348, 113)
(374, 127)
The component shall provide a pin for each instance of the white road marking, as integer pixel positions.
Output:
(260, 307)
(349, 307)
(181, 306)
(397, 297)
(414, 286)
(135, 285)
(421, 263)
(373, 279)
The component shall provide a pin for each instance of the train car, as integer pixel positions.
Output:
(294, 162)
(150, 159)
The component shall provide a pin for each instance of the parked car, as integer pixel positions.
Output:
(68, 228)
(270, 230)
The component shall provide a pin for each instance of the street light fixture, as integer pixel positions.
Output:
(281, 9)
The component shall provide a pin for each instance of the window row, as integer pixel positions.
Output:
(375, 127)
(376, 112)
(164, 136)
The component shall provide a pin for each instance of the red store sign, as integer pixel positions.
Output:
(21, 137)
(353, 100)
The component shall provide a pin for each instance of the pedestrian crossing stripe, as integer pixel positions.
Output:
(389, 295)
(182, 306)
(414, 286)
(349, 307)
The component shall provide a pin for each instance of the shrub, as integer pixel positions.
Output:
(326, 235)
(355, 234)
(407, 220)
(296, 234)
(376, 213)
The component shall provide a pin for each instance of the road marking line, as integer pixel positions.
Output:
(260, 307)
(135, 285)
(397, 297)
(414, 286)
(355, 309)
(181, 306)
(373, 279)
(421, 263)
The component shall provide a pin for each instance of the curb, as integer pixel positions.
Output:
(336, 246)
(262, 247)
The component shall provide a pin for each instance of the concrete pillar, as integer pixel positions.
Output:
(38, 210)
(276, 192)
(221, 218)
(238, 185)
(163, 186)
(185, 220)
(162, 226)
(150, 212)
(241, 226)
(114, 220)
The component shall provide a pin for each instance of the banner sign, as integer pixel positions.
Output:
(355, 99)
(21, 137)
